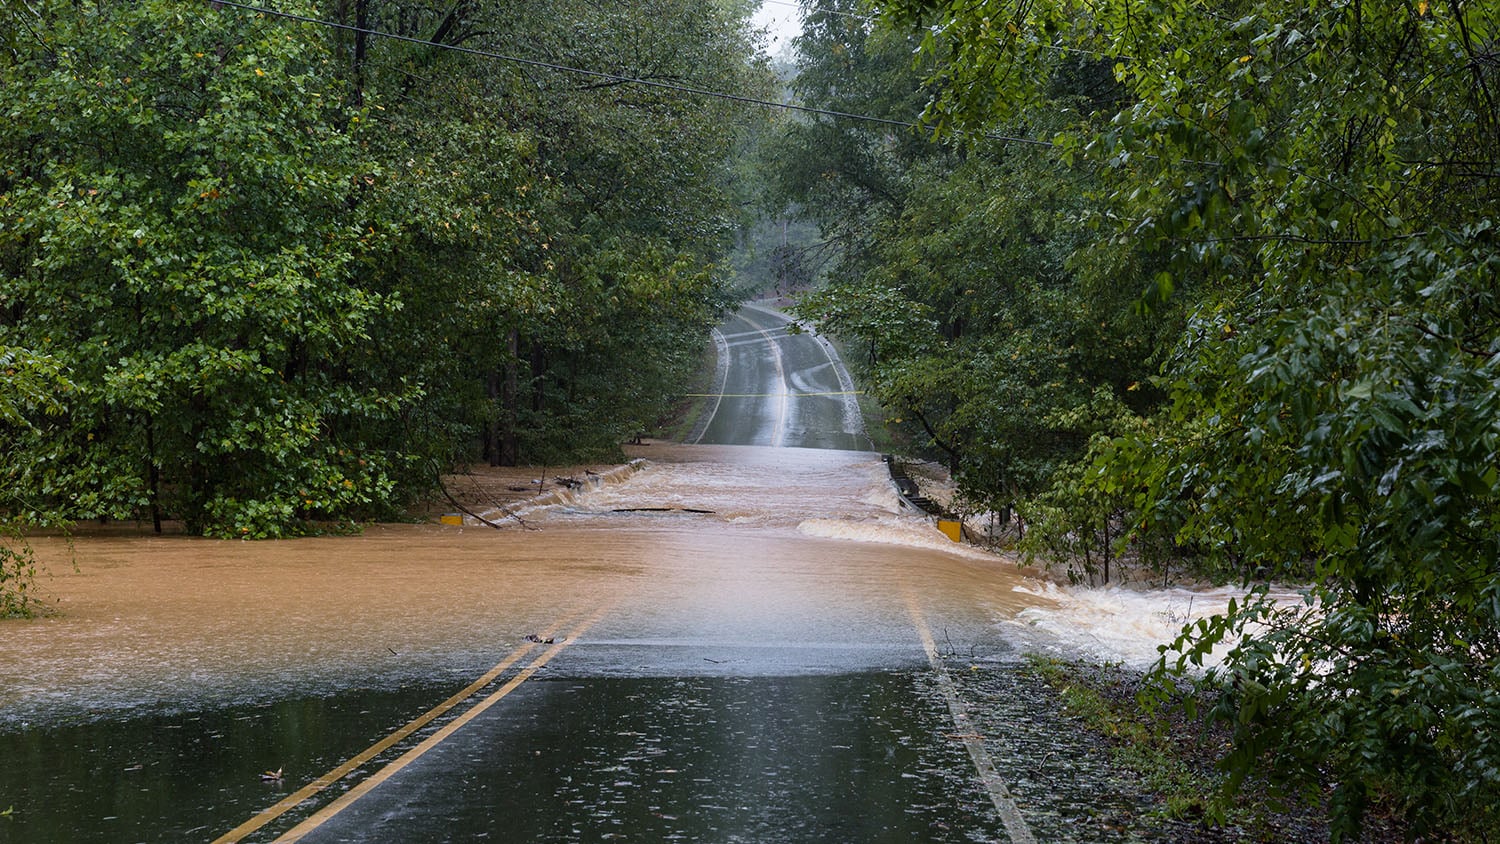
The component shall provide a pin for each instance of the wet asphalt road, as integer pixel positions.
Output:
(742, 706)
(707, 680)
(781, 388)
(765, 718)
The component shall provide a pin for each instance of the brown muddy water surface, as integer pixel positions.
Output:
(799, 546)
(743, 654)
(164, 620)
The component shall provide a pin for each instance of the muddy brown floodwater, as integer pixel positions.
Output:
(799, 544)
(175, 669)
(178, 620)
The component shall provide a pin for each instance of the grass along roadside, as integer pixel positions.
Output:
(1172, 757)
(1151, 744)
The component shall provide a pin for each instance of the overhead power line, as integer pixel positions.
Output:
(872, 18)
(613, 77)
(805, 10)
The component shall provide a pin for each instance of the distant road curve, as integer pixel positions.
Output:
(780, 389)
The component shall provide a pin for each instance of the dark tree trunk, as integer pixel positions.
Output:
(538, 383)
(153, 475)
(492, 430)
(1106, 549)
(361, 45)
(510, 441)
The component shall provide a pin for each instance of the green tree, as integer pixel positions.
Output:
(1328, 172)
(645, 201)
(290, 272)
(990, 323)
(182, 233)
(583, 293)
(31, 384)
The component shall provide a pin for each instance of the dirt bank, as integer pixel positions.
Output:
(491, 489)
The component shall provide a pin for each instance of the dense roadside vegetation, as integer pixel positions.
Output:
(258, 273)
(1214, 286)
(1217, 287)
(1168, 757)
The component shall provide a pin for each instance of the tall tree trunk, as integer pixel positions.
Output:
(492, 429)
(195, 503)
(1106, 550)
(153, 475)
(538, 383)
(450, 23)
(361, 44)
(510, 441)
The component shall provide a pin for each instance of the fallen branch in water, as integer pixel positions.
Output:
(466, 511)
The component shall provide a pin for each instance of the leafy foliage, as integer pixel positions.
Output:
(607, 231)
(992, 323)
(188, 178)
(31, 385)
(259, 275)
(1322, 178)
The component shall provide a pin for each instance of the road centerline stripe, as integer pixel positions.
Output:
(301, 795)
(989, 775)
(779, 436)
(368, 784)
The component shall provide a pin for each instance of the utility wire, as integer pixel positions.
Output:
(872, 18)
(615, 77)
(806, 10)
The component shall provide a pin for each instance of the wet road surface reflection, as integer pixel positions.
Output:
(749, 673)
(184, 776)
(840, 758)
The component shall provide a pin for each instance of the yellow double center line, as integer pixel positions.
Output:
(308, 791)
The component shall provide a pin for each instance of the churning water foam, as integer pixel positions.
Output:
(1122, 624)
(849, 496)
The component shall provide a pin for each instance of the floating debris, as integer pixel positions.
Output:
(532, 637)
(271, 776)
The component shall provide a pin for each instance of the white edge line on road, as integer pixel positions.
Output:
(1005, 804)
(779, 438)
(721, 377)
(854, 419)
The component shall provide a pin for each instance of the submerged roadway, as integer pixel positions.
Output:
(744, 643)
(741, 710)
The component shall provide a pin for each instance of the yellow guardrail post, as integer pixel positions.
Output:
(951, 528)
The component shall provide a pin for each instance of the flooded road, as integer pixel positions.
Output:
(802, 550)
(734, 643)
(692, 759)
(748, 612)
